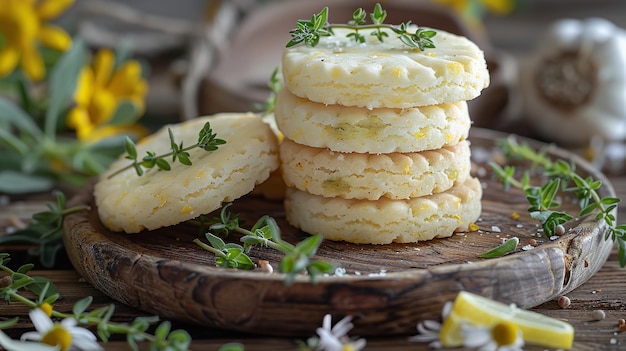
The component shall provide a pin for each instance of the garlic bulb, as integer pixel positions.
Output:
(574, 83)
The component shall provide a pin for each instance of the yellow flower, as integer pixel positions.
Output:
(47, 308)
(473, 10)
(100, 89)
(22, 27)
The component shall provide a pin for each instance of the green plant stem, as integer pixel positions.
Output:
(23, 300)
(209, 248)
(132, 165)
(360, 27)
(74, 209)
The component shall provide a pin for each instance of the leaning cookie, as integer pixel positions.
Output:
(131, 203)
(385, 221)
(382, 130)
(323, 172)
(385, 74)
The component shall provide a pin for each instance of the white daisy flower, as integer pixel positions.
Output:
(15, 345)
(336, 338)
(428, 330)
(65, 334)
(504, 336)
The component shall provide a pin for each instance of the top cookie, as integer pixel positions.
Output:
(388, 74)
(128, 202)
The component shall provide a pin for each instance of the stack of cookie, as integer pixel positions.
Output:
(375, 146)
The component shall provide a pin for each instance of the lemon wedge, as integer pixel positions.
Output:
(476, 310)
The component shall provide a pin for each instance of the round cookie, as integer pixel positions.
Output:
(323, 172)
(383, 130)
(131, 203)
(388, 74)
(385, 221)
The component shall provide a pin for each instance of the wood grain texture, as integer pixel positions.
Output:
(387, 288)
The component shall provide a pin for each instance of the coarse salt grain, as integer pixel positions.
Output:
(598, 315)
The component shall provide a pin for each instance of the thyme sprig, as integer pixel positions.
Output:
(46, 292)
(311, 31)
(563, 176)
(264, 233)
(45, 230)
(207, 140)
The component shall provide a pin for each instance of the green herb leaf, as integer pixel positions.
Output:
(129, 145)
(506, 247)
(9, 323)
(62, 84)
(126, 113)
(42, 287)
(215, 241)
(233, 346)
(13, 115)
(12, 182)
(81, 306)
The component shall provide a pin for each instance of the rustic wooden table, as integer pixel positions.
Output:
(604, 291)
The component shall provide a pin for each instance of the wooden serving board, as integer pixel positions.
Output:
(387, 288)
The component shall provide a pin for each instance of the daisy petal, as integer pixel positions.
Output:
(326, 323)
(68, 323)
(40, 320)
(82, 333)
(14, 345)
(424, 337)
(31, 336)
(86, 345)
